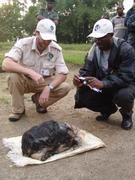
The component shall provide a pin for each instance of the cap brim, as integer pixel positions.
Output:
(48, 36)
(96, 35)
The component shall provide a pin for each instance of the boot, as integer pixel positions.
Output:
(16, 116)
(39, 108)
(105, 115)
(127, 122)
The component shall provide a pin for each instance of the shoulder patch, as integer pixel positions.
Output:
(55, 45)
(24, 41)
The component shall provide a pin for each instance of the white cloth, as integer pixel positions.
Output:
(87, 142)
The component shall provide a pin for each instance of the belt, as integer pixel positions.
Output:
(46, 76)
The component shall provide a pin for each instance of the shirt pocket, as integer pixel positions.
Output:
(50, 68)
(29, 61)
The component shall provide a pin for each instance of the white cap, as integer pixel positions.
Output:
(101, 28)
(47, 29)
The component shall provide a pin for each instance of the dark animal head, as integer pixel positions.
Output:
(29, 143)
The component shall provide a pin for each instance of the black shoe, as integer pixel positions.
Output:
(105, 116)
(39, 108)
(127, 125)
(127, 122)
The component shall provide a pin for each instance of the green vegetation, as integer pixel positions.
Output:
(73, 53)
(76, 18)
(4, 47)
(74, 57)
(77, 47)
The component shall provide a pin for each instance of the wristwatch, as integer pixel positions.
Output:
(50, 87)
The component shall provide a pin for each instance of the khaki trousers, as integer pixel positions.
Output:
(19, 84)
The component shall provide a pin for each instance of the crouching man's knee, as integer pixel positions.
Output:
(15, 81)
(124, 96)
(63, 89)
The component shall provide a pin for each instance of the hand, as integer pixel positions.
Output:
(44, 96)
(94, 82)
(36, 77)
(76, 81)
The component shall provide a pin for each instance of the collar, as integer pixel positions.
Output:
(123, 16)
(34, 47)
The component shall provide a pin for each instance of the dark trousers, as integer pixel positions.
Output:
(131, 39)
(105, 101)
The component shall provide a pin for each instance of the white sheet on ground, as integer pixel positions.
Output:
(88, 142)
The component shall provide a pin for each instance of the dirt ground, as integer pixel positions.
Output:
(114, 162)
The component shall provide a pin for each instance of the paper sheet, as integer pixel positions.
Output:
(87, 142)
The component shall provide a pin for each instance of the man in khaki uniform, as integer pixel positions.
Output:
(36, 65)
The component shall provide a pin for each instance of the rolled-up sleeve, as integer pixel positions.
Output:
(60, 64)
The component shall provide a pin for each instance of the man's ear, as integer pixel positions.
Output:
(111, 34)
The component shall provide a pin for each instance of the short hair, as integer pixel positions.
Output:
(120, 7)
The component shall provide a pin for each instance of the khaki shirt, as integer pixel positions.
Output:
(50, 61)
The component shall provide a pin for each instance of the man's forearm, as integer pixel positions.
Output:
(9, 65)
(58, 80)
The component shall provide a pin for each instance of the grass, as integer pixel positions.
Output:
(4, 47)
(74, 57)
(77, 47)
(73, 53)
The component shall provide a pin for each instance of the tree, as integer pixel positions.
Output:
(29, 20)
(10, 18)
(76, 18)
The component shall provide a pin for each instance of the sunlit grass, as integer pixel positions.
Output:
(75, 47)
(4, 47)
(74, 57)
(75, 53)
